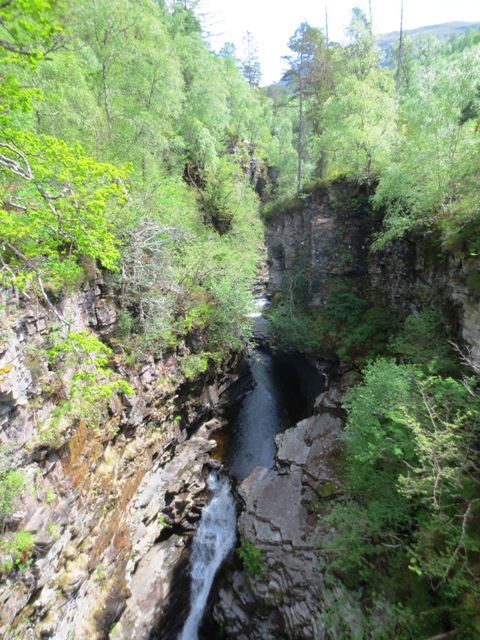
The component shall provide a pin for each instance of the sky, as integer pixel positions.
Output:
(273, 22)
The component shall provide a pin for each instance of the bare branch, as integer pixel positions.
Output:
(460, 545)
(466, 357)
(13, 165)
(20, 255)
(448, 634)
(13, 49)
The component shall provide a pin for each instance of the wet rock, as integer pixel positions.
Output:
(273, 510)
(262, 332)
(350, 379)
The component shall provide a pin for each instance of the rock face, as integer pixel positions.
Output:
(109, 505)
(326, 239)
(289, 597)
(330, 239)
(412, 274)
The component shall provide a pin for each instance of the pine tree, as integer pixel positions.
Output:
(250, 63)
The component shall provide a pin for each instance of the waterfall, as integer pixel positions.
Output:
(213, 540)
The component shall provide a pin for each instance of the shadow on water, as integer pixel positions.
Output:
(284, 391)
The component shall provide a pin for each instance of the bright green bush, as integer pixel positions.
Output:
(11, 485)
(16, 550)
(412, 482)
(251, 558)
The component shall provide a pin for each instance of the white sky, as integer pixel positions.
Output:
(273, 22)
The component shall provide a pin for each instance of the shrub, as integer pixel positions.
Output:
(11, 485)
(250, 557)
(16, 551)
(423, 341)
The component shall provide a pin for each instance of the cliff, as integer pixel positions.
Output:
(287, 588)
(327, 240)
(108, 496)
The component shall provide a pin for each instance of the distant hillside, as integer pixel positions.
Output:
(441, 31)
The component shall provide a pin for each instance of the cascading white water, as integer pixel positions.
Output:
(213, 540)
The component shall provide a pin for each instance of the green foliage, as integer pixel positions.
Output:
(413, 484)
(293, 327)
(473, 282)
(216, 196)
(423, 341)
(282, 206)
(11, 485)
(141, 88)
(16, 550)
(251, 558)
(362, 53)
(431, 178)
(28, 30)
(375, 433)
(92, 384)
(355, 328)
(28, 27)
(55, 205)
(418, 140)
(193, 364)
(347, 616)
(346, 322)
(359, 123)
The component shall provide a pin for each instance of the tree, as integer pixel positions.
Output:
(400, 50)
(303, 44)
(431, 179)
(413, 482)
(250, 63)
(136, 79)
(361, 52)
(57, 205)
(28, 33)
(359, 121)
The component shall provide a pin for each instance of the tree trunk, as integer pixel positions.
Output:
(300, 125)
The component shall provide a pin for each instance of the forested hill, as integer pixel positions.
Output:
(388, 41)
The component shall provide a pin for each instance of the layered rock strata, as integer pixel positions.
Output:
(109, 507)
(329, 239)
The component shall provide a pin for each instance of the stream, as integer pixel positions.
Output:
(261, 417)
(284, 389)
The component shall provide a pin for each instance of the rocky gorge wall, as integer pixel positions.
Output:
(328, 238)
(281, 591)
(110, 508)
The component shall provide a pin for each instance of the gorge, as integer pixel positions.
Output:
(239, 331)
(124, 507)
